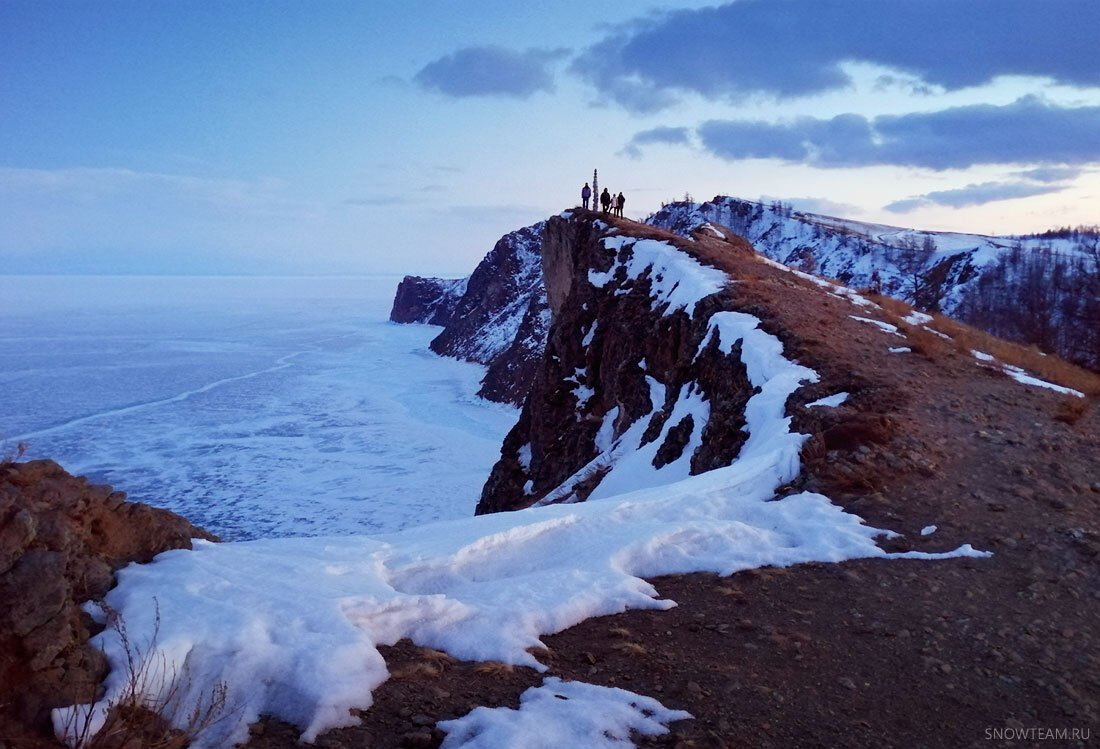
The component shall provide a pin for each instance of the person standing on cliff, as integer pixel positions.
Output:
(620, 201)
(605, 199)
(586, 193)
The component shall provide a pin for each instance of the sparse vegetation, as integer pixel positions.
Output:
(631, 648)
(148, 713)
(964, 338)
(16, 455)
(493, 668)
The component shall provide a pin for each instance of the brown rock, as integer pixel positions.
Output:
(60, 540)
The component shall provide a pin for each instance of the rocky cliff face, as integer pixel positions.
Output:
(427, 300)
(642, 383)
(497, 317)
(61, 539)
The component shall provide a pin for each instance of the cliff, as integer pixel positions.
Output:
(635, 380)
(427, 300)
(497, 317)
(61, 539)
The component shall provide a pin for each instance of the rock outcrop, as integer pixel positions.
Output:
(61, 539)
(497, 317)
(427, 300)
(635, 383)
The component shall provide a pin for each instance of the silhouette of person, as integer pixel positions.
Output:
(586, 193)
(605, 199)
(620, 201)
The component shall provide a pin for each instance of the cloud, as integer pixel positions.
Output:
(794, 48)
(667, 135)
(1028, 131)
(1051, 173)
(977, 194)
(490, 71)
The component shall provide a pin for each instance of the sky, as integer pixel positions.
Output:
(332, 137)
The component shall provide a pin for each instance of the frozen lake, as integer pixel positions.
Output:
(255, 407)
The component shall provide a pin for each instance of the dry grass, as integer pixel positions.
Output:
(136, 719)
(493, 668)
(1071, 408)
(419, 670)
(965, 338)
(16, 455)
(630, 648)
(1048, 367)
(436, 656)
(620, 632)
(893, 307)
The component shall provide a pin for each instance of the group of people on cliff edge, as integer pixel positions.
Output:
(612, 204)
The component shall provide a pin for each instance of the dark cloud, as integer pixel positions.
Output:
(791, 48)
(1051, 173)
(1029, 131)
(491, 71)
(979, 194)
(667, 135)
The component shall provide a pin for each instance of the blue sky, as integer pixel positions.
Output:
(350, 137)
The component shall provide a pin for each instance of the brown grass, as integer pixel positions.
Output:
(630, 648)
(493, 668)
(420, 670)
(137, 720)
(620, 632)
(1071, 408)
(1047, 367)
(436, 656)
(965, 338)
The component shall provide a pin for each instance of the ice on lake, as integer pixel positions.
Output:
(255, 407)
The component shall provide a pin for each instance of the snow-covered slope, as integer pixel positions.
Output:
(937, 271)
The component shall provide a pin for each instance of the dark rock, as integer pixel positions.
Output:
(426, 300)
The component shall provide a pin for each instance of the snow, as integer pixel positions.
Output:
(884, 326)
(917, 318)
(837, 290)
(899, 350)
(1022, 376)
(831, 400)
(676, 280)
(590, 335)
(524, 455)
(562, 714)
(255, 407)
(928, 530)
(290, 626)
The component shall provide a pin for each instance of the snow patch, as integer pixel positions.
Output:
(1022, 376)
(884, 326)
(831, 400)
(899, 350)
(676, 280)
(562, 714)
(928, 530)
